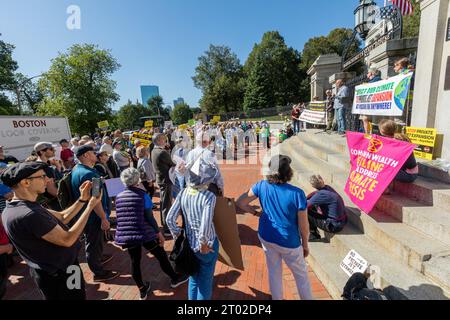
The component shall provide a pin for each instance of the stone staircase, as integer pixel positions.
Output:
(407, 235)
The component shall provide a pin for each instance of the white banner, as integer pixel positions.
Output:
(315, 113)
(383, 98)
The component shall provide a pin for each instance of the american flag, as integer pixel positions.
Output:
(388, 12)
(406, 7)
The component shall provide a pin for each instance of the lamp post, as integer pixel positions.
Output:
(364, 17)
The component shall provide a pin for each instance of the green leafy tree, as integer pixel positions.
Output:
(335, 42)
(273, 73)
(8, 66)
(78, 86)
(129, 115)
(218, 75)
(156, 107)
(181, 114)
(411, 24)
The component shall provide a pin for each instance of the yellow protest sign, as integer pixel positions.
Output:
(146, 139)
(103, 124)
(216, 119)
(148, 124)
(425, 139)
(183, 127)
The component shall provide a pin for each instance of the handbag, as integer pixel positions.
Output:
(182, 256)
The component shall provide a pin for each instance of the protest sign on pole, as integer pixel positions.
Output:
(168, 124)
(191, 122)
(103, 124)
(315, 113)
(148, 124)
(425, 139)
(375, 161)
(216, 119)
(383, 98)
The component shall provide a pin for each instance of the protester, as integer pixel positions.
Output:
(102, 165)
(202, 155)
(326, 209)
(162, 163)
(46, 153)
(197, 205)
(134, 158)
(373, 75)
(295, 115)
(98, 222)
(67, 155)
(330, 110)
(121, 158)
(410, 170)
(6, 159)
(283, 226)
(41, 236)
(146, 171)
(341, 105)
(137, 228)
(401, 66)
(107, 145)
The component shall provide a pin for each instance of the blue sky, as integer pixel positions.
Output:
(159, 41)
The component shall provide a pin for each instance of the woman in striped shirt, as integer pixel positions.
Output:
(197, 205)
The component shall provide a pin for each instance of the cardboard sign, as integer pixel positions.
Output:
(383, 98)
(168, 124)
(315, 113)
(148, 124)
(375, 161)
(353, 262)
(103, 124)
(225, 224)
(425, 139)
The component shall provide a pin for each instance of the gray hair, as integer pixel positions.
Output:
(374, 71)
(130, 177)
(316, 181)
(106, 138)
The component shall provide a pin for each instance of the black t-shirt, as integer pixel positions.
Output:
(25, 223)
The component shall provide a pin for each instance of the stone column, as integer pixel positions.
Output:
(431, 104)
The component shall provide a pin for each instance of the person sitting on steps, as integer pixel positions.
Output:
(326, 209)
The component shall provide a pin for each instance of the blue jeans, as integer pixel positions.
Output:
(200, 284)
(296, 126)
(340, 119)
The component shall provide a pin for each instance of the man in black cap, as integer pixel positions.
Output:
(41, 236)
(98, 223)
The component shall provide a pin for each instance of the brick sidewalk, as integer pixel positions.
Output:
(229, 284)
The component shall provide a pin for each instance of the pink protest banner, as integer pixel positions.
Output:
(375, 161)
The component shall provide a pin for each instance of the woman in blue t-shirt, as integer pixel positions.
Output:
(283, 226)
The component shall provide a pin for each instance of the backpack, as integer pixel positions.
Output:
(356, 289)
(65, 195)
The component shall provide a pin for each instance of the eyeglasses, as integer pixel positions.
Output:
(38, 177)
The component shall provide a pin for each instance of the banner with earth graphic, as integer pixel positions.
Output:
(383, 98)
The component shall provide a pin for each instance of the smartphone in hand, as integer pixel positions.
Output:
(96, 184)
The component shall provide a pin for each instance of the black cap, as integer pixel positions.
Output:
(16, 173)
(83, 149)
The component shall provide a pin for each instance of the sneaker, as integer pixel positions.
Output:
(106, 258)
(144, 291)
(106, 275)
(314, 236)
(179, 281)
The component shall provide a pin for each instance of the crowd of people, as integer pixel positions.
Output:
(52, 203)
